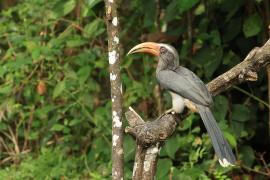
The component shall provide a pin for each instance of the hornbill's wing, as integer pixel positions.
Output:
(185, 83)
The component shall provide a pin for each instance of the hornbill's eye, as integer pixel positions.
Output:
(163, 50)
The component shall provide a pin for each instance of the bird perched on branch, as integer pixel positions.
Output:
(184, 84)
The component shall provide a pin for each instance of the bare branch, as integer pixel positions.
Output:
(151, 132)
(116, 89)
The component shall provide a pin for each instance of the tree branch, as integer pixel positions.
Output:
(116, 89)
(150, 135)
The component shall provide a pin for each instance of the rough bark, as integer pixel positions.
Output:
(150, 135)
(116, 89)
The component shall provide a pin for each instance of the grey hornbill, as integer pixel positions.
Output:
(184, 84)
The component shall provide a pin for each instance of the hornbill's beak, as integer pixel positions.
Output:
(146, 47)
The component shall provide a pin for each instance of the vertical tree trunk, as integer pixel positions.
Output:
(116, 89)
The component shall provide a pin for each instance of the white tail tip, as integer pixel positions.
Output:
(224, 162)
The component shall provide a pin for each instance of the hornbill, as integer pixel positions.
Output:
(184, 84)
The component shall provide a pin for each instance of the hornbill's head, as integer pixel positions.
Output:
(166, 53)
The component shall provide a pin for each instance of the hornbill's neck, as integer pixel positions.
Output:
(164, 64)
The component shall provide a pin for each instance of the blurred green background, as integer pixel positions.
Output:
(55, 109)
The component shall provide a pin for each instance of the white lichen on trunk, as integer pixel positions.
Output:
(112, 57)
(115, 21)
(116, 39)
(116, 120)
(112, 76)
(150, 156)
(134, 169)
(115, 138)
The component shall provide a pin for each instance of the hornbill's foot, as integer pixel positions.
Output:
(170, 111)
(190, 105)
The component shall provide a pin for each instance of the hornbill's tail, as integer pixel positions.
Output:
(221, 146)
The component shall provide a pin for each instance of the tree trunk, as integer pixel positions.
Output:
(116, 89)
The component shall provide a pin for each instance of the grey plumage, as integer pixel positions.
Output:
(185, 83)
(221, 146)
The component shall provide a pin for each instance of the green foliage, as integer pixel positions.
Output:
(252, 25)
(49, 164)
(55, 105)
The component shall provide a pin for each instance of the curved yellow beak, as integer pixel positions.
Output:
(146, 47)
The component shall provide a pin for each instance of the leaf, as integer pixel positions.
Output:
(177, 7)
(92, 3)
(185, 5)
(252, 25)
(20, 61)
(231, 7)
(98, 149)
(215, 37)
(62, 8)
(163, 168)
(232, 29)
(237, 127)
(83, 74)
(76, 42)
(221, 106)
(42, 112)
(75, 122)
(129, 148)
(182, 176)
(171, 11)
(33, 135)
(230, 138)
(149, 10)
(187, 122)
(215, 59)
(5, 89)
(193, 172)
(57, 127)
(199, 10)
(3, 126)
(35, 54)
(196, 130)
(247, 155)
(2, 71)
(94, 28)
(231, 59)
(67, 7)
(240, 113)
(209, 58)
(171, 146)
(186, 141)
(59, 88)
